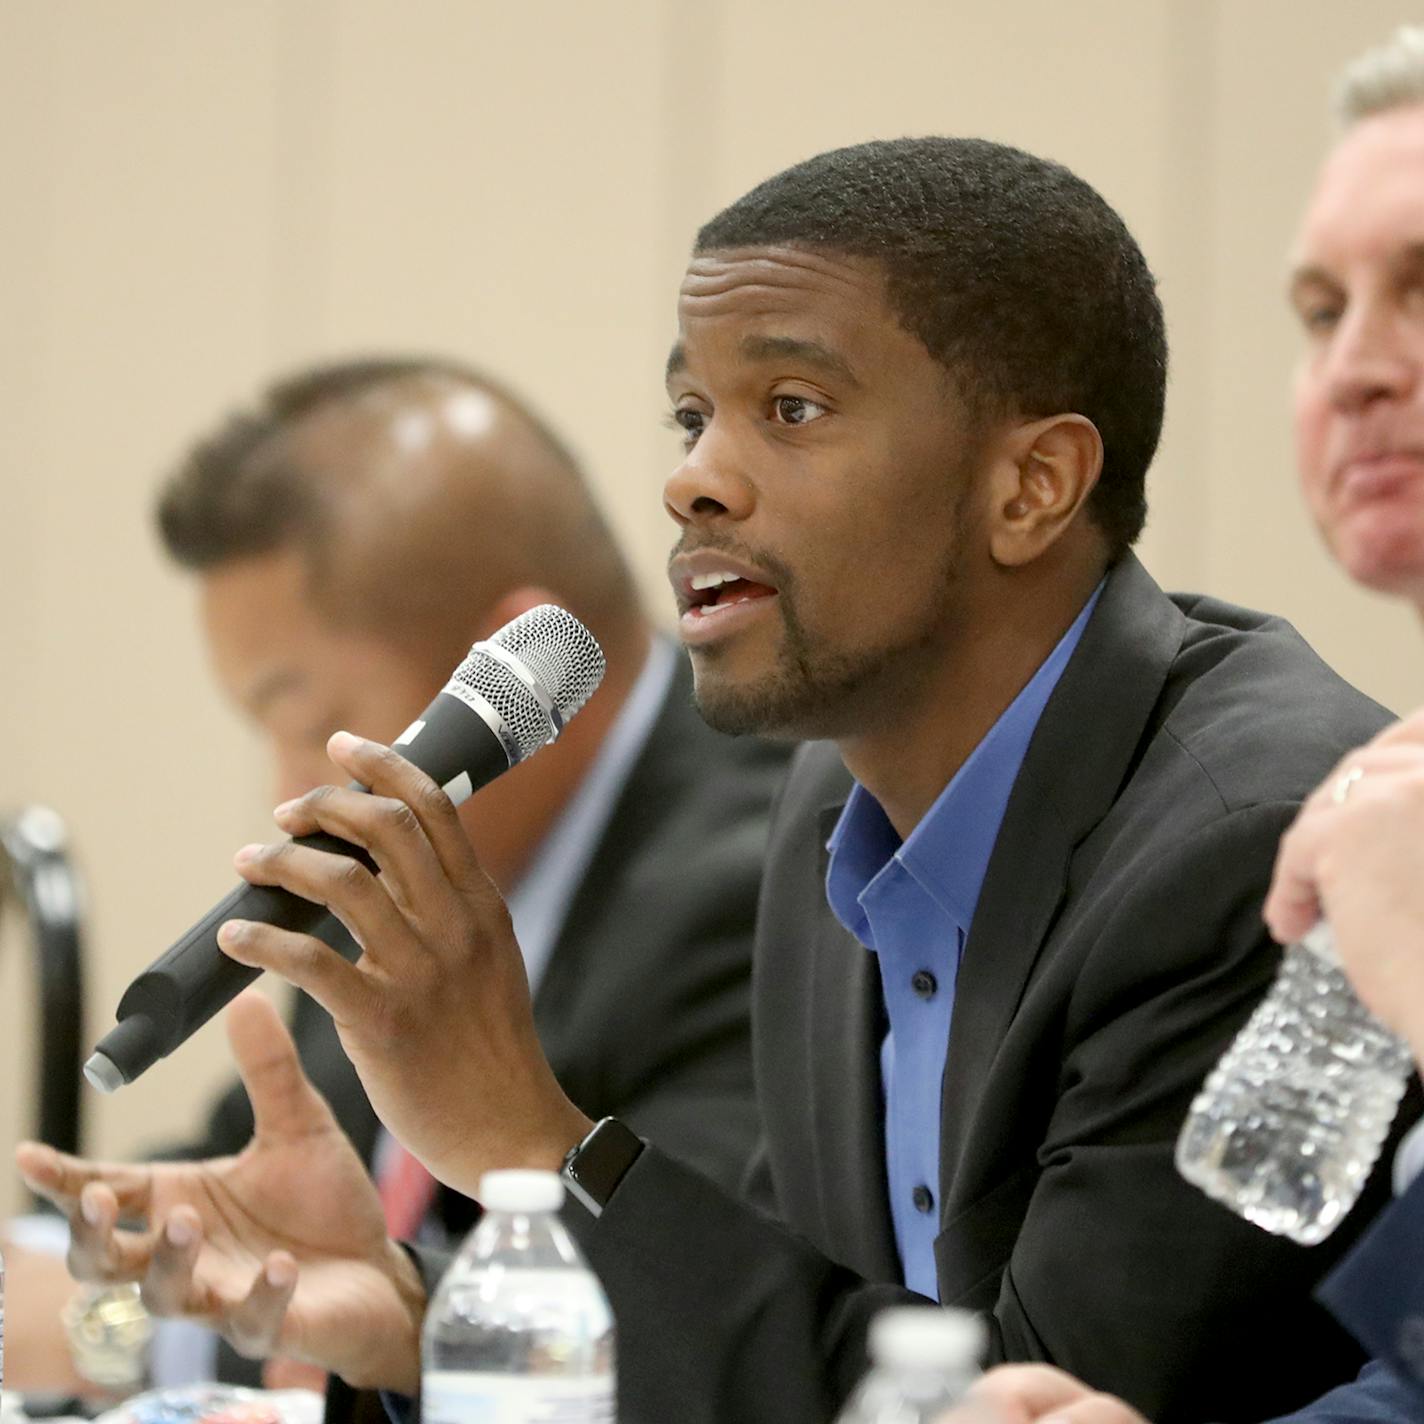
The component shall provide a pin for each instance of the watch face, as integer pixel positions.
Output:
(596, 1166)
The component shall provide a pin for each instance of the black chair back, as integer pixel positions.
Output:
(37, 875)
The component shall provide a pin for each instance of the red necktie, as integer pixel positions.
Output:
(407, 1190)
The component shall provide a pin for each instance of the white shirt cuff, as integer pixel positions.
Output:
(1409, 1159)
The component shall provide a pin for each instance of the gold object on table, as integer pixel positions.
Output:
(109, 1330)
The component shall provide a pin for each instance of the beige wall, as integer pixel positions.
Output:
(195, 193)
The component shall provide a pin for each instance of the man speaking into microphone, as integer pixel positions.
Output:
(1011, 909)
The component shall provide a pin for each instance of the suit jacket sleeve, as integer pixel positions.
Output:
(1379, 1396)
(1377, 1293)
(723, 1314)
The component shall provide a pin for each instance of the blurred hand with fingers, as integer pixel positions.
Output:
(1023, 1394)
(438, 1007)
(282, 1248)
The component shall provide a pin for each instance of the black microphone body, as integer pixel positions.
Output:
(460, 741)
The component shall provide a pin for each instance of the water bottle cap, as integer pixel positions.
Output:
(1320, 940)
(521, 1191)
(926, 1337)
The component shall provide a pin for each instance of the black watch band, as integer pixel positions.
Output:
(593, 1169)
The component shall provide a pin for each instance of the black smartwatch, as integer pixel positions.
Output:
(593, 1168)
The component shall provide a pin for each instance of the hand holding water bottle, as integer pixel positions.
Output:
(1289, 1124)
(1355, 857)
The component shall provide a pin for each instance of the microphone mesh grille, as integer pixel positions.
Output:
(559, 651)
(524, 719)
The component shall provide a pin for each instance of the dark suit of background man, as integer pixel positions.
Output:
(921, 383)
(352, 534)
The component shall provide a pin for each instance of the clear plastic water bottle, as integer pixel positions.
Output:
(519, 1329)
(1290, 1121)
(923, 1360)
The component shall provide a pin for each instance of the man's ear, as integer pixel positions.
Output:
(1037, 487)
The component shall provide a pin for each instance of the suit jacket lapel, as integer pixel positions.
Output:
(849, 1021)
(1080, 755)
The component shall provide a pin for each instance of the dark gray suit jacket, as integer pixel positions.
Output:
(643, 1009)
(1116, 949)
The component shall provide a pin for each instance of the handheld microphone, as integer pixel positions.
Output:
(510, 696)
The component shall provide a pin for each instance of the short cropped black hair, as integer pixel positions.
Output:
(1016, 275)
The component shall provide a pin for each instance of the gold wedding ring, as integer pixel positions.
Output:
(1345, 784)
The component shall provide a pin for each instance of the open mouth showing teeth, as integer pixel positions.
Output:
(723, 590)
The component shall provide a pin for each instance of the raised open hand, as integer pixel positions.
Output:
(282, 1248)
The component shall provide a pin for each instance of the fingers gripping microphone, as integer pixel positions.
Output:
(510, 696)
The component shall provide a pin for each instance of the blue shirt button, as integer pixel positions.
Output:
(923, 1198)
(924, 983)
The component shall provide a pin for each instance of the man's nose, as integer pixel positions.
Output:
(712, 482)
(1375, 356)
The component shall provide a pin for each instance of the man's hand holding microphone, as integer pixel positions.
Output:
(283, 1248)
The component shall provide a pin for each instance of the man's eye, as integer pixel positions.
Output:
(797, 410)
(690, 422)
(1319, 320)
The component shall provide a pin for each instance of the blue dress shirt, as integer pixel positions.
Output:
(911, 904)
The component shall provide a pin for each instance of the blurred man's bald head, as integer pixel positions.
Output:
(418, 493)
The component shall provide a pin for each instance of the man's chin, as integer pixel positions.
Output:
(738, 713)
(773, 709)
(789, 697)
(1392, 565)
(742, 707)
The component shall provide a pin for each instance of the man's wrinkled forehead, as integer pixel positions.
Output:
(814, 354)
(819, 296)
(1369, 197)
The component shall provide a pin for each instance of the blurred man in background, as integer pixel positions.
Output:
(1354, 855)
(352, 535)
